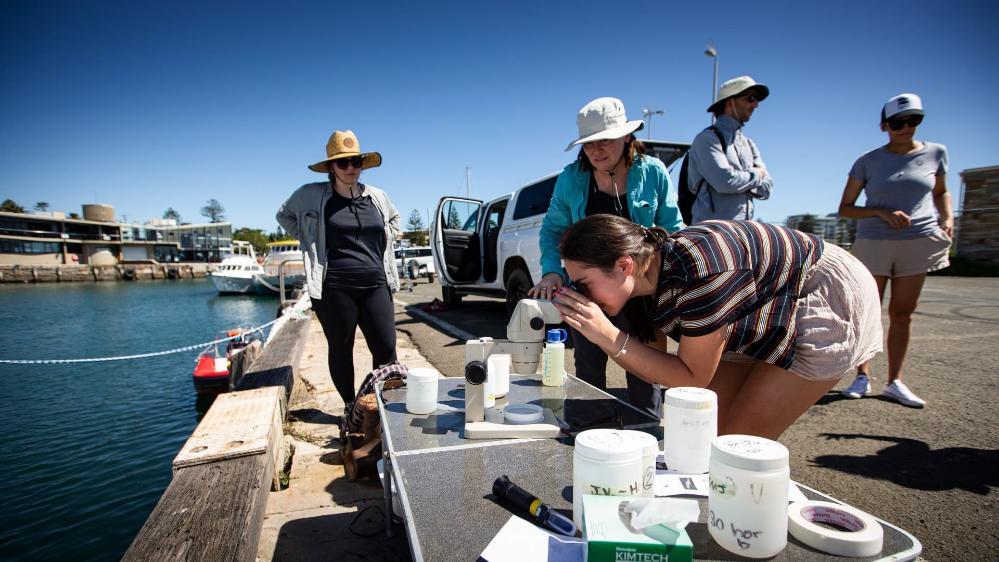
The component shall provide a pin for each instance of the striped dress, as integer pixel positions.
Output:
(746, 276)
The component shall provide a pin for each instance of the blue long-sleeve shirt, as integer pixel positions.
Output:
(733, 182)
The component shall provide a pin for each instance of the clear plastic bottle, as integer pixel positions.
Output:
(553, 373)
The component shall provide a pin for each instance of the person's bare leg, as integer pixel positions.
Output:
(770, 400)
(904, 298)
(728, 379)
(882, 282)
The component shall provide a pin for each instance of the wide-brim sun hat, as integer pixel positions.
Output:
(343, 144)
(736, 87)
(603, 119)
(902, 105)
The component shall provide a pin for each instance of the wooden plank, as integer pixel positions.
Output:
(238, 424)
(278, 363)
(211, 512)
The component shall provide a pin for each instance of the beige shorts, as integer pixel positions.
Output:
(838, 319)
(902, 258)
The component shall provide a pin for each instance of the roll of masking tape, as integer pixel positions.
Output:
(863, 535)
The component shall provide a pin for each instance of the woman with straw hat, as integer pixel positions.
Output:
(611, 175)
(347, 229)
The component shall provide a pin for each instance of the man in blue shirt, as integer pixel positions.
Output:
(726, 171)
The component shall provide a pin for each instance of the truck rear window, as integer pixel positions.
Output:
(534, 199)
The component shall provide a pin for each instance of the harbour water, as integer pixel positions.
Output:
(86, 449)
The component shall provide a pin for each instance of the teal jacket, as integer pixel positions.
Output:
(650, 193)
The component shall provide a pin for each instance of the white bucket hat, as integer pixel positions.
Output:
(735, 87)
(601, 119)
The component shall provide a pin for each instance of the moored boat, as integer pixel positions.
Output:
(234, 275)
(212, 367)
(267, 281)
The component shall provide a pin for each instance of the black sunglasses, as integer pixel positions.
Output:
(355, 161)
(751, 97)
(912, 121)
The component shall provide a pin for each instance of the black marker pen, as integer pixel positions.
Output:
(540, 512)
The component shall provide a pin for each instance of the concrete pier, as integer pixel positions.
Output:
(321, 515)
(93, 273)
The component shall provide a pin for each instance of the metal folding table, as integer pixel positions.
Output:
(444, 482)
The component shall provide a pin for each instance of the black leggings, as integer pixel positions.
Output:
(340, 312)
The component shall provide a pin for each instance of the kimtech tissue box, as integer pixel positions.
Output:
(611, 536)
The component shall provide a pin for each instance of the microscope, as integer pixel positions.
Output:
(525, 342)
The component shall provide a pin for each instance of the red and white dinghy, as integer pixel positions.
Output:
(211, 372)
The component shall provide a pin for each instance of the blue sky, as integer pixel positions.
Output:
(149, 105)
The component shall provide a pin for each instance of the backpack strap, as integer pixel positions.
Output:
(724, 145)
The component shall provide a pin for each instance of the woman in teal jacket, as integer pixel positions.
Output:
(611, 175)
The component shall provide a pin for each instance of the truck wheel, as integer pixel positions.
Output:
(451, 297)
(518, 282)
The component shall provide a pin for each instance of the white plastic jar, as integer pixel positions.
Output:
(605, 462)
(690, 417)
(650, 450)
(747, 503)
(421, 391)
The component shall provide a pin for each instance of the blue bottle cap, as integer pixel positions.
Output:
(556, 335)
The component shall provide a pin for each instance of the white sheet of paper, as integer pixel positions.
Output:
(672, 483)
(522, 541)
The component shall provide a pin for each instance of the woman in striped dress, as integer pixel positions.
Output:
(767, 317)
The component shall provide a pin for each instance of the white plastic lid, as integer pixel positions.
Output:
(422, 374)
(603, 445)
(691, 398)
(748, 452)
(649, 444)
(523, 413)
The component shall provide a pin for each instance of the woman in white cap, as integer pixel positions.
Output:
(904, 229)
(346, 229)
(611, 175)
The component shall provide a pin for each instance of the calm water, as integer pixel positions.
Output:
(85, 449)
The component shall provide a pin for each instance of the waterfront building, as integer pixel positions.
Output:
(97, 239)
(831, 228)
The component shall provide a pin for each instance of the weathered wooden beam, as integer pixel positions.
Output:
(212, 512)
(278, 363)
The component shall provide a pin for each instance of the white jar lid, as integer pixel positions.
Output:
(748, 452)
(422, 374)
(691, 398)
(523, 413)
(649, 444)
(608, 445)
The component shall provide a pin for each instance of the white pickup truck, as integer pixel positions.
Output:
(415, 261)
(493, 248)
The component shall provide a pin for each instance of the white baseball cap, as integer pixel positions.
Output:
(902, 105)
(601, 119)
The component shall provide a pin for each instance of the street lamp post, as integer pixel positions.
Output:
(713, 53)
(648, 113)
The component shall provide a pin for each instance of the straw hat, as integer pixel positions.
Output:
(343, 144)
(601, 119)
(736, 87)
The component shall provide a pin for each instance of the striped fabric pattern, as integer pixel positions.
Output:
(746, 276)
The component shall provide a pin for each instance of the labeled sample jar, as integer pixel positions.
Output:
(747, 502)
(421, 391)
(690, 417)
(605, 462)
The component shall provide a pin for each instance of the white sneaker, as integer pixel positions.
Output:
(861, 387)
(900, 393)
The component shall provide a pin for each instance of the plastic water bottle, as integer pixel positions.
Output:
(554, 358)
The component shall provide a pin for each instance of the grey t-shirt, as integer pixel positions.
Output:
(901, 182)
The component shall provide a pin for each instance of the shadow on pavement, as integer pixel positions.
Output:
(913, 464)
(324, 538)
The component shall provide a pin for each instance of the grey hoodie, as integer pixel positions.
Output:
(302, 217)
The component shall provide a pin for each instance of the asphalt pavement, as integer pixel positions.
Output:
(931, 471)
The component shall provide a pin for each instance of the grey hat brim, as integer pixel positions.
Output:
(763, 93)
(612, 133)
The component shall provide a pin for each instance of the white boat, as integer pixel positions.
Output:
(234, 275)
(266, 281)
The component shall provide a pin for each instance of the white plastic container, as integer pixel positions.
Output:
(421, 391)
(553, 373)
(690, 419)
(605, 462)
(650, 450)
(747, 503)
(498, 367)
